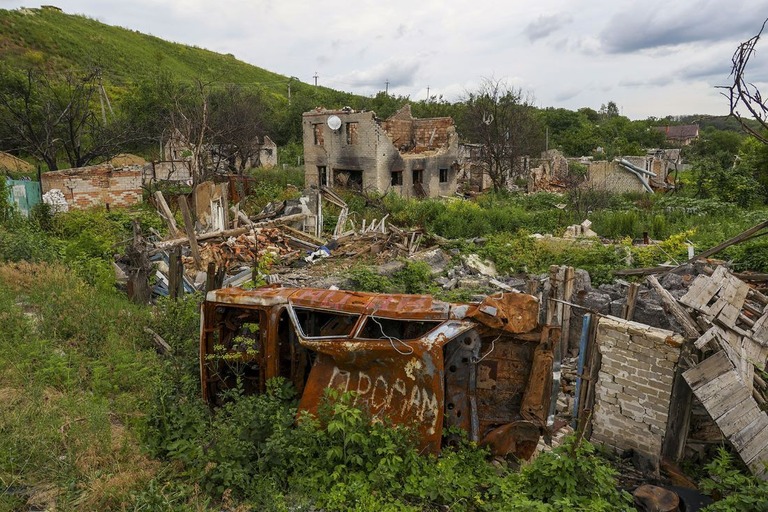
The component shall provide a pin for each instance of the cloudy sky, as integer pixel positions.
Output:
(651, 57)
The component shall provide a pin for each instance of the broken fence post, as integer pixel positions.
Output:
(173, 230)
(628, 311)
(175, 274)
(586, 319)
(189, 227)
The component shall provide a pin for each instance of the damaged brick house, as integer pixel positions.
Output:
(96, 185)
(262, 153)
(645, 173)
(409, 156)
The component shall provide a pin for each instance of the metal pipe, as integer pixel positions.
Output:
(640, 176)
(586, 319)
(629, 164)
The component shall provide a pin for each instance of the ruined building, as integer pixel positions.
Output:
(412, 157)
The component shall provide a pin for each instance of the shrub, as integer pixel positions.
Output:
(570, 477)
(733, 489)
(366, 279)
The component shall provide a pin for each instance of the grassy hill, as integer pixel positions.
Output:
(60, 41)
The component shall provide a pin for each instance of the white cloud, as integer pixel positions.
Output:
(647, 56)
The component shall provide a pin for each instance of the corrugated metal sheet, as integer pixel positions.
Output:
(24, 194)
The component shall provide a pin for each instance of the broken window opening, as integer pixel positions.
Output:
(418, 176)
(397, 178)
(443, 175)
(234, 353)
(295, 360)
(348, 179)
(322, 176)
(351, 129)
(318, 131)
(322, 324)
(376, 328)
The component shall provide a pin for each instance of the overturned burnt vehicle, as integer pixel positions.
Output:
(483, 367)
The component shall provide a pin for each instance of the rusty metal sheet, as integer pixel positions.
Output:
(511, 312)
(433, 365)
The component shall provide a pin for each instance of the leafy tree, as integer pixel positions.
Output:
(53, 117)
(609, 110)
(503, 120)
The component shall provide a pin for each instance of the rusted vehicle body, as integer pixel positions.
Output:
(483, 367)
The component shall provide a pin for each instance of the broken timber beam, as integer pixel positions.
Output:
(173, 230)
(189, 227)
(744, 235)
(162, 346)
(691, 330)
(166, 244)
(628, 311)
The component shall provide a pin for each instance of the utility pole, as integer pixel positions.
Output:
(427, 93)
(386, 87)
(315, 77)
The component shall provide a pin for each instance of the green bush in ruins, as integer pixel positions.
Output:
(733, 489)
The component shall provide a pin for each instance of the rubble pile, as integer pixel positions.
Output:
(245, 249)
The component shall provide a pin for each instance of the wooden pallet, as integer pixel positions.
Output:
(718, 384)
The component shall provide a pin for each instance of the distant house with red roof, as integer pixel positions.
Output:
(681, 134)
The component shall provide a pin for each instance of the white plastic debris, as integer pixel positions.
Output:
(56, 199)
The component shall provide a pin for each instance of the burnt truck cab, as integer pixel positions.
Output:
(483, 367)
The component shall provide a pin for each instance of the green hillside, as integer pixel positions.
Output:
(60, 41)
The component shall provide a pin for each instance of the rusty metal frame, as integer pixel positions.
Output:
(430, 381)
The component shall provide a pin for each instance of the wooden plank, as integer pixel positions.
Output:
(628, 311)
(731, 299)
(724, 384)
(740, 439)
(757, 446)
(167, 215)
(735, 419)
(711, 368)
(735, 240)
(690, 329)
(722, 405)
(680, 405)
(175, 274)
(760, 330)
(758, 297)
(759, 468)
(700, 293)
(189, 227)
(707, 339)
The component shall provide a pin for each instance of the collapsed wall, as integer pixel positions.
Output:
(634, 385)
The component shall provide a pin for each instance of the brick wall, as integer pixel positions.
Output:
(634, 386)
(608, 176)
(432, 133)
(96, 185)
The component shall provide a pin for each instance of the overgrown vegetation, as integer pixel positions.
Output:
(93, 419)
(733, 489)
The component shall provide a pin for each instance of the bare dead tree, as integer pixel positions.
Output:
(239, 120)
(189, 119)
(501, 119)
(743, 94)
